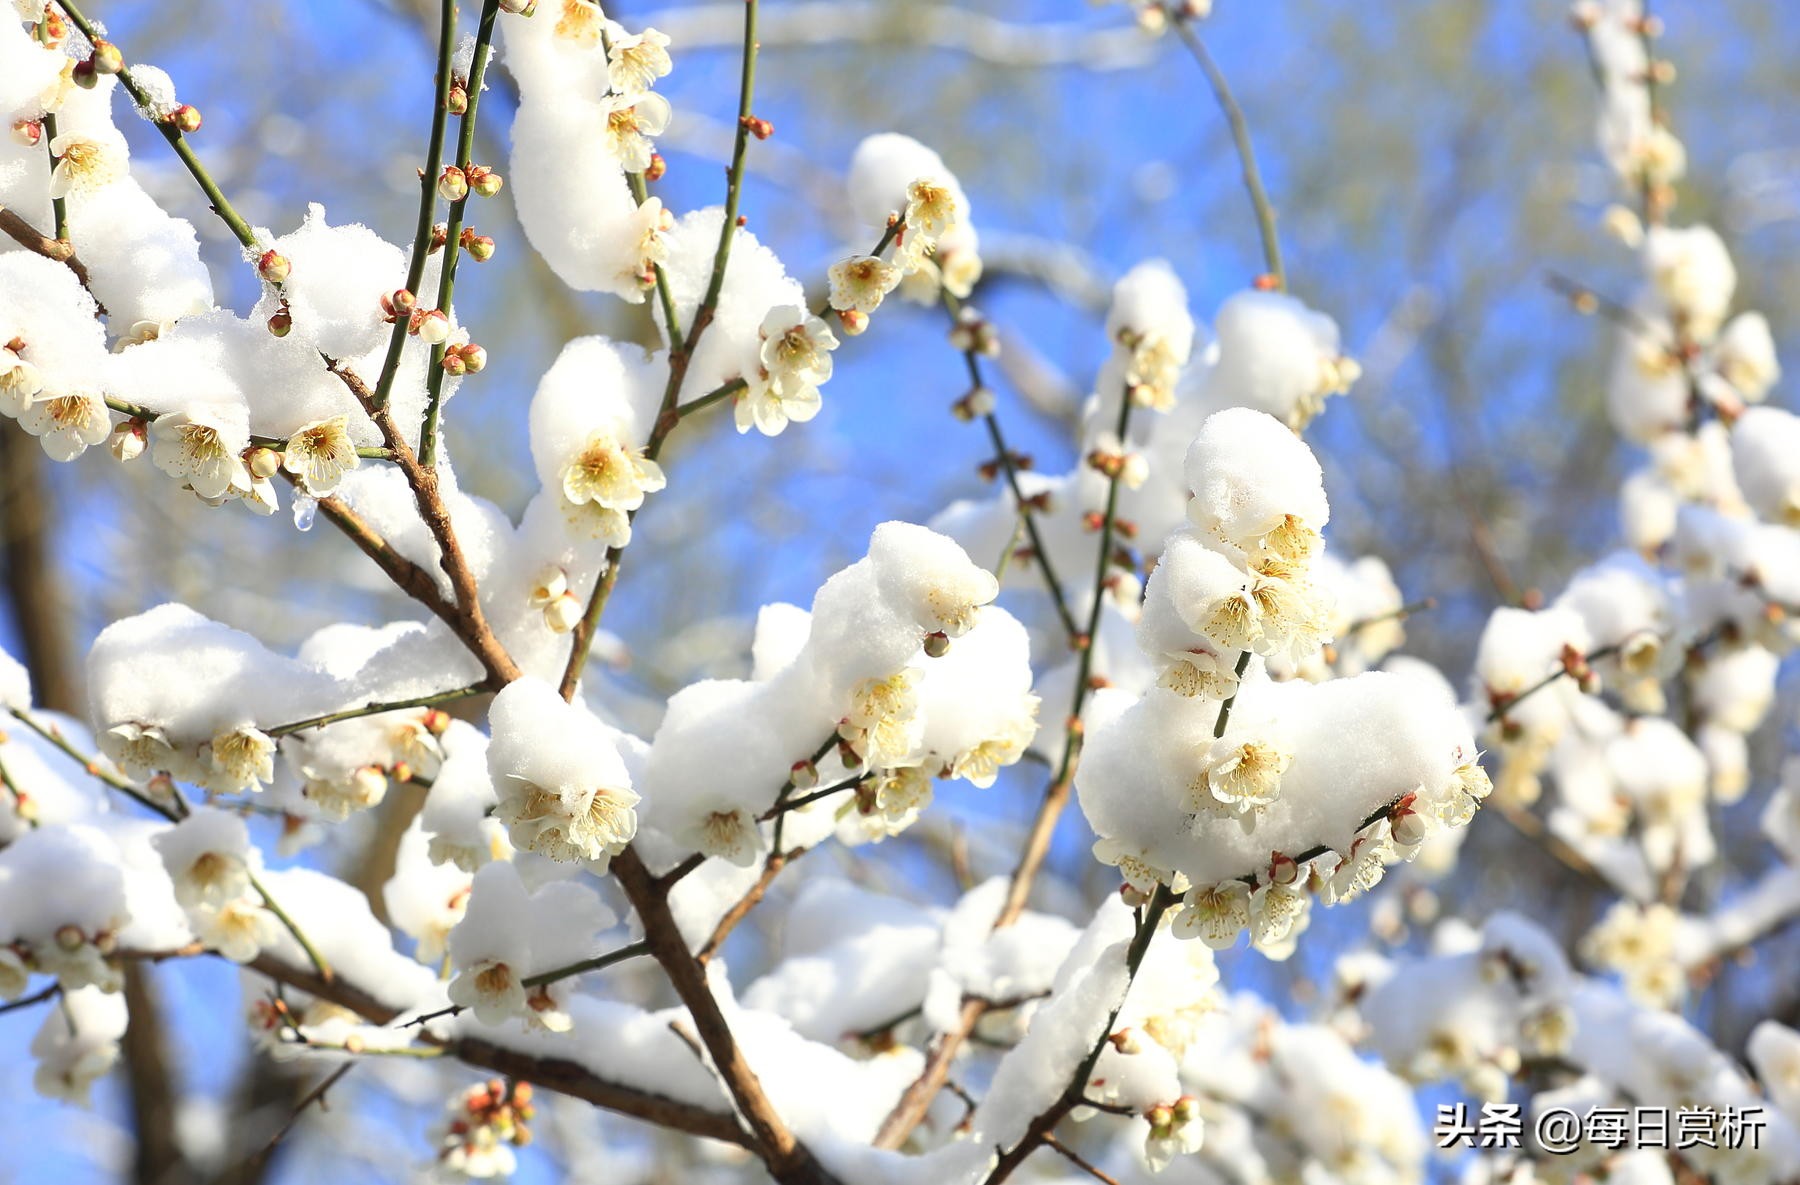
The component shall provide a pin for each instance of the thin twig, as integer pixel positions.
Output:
(428, 177)
(431, 699)
(220, 206)
(465, 149)
(1075, 1158)
(24, 1002)
(315, 1095)
(1240, 135)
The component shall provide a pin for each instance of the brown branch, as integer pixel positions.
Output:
(411, 579)
(466, 617)
(1075, 1158)
(159, 1155)
(550, 1073)
(787, 1160)
(1043, 1128)
(578, 1082)
(39, 243)
(749, 901)
(315, 1095)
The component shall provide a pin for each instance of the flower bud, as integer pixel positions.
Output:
(85, 76)
(804, 775)
(453, 184)
(1126, 1041)
(436, 721)
(1266, 282)
(273, 267)
(1409, 829)
(761, 128)
(431, 325)
(474, 358)
(400, 301)
(161, 788)
(485, 181)
(479, 247)
(401, 771)
(657, 167)
(853, 322)
(281, 321)
(263, 462)
(28, 132)
(128, 440)
(70, 937)
(1187, 1109)
(453, 363)
(186, 119)
(371, 781)
(563, 614)
(519, 7)
(1161, 1117)
(458, 102)
(1283, 869)
(107, 59)
(937, 645)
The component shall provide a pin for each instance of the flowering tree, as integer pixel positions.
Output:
(1178, 653)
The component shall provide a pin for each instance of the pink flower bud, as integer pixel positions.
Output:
(453, 184)
(186, 119)
(431, 325)
(563, 614)
(273, 267)
(853, 322)
(458, 103)
(657, 167)
(128, 440)
(479, 247)
(280, 322)
(1283, 870)
(453, 363)
(474, 358)
(803, 775)
(484, 181)
(107, 58)
(28, 132)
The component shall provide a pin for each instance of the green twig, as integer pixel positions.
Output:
(292, 927)
(1240, 135)
(428, 176)
(222, 207)
(59, 207)
(465, 150)
(419, 701)
(594, 964)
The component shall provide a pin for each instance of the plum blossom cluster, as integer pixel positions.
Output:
(1253, 794)
(1493, 1008)
(1635, 692)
